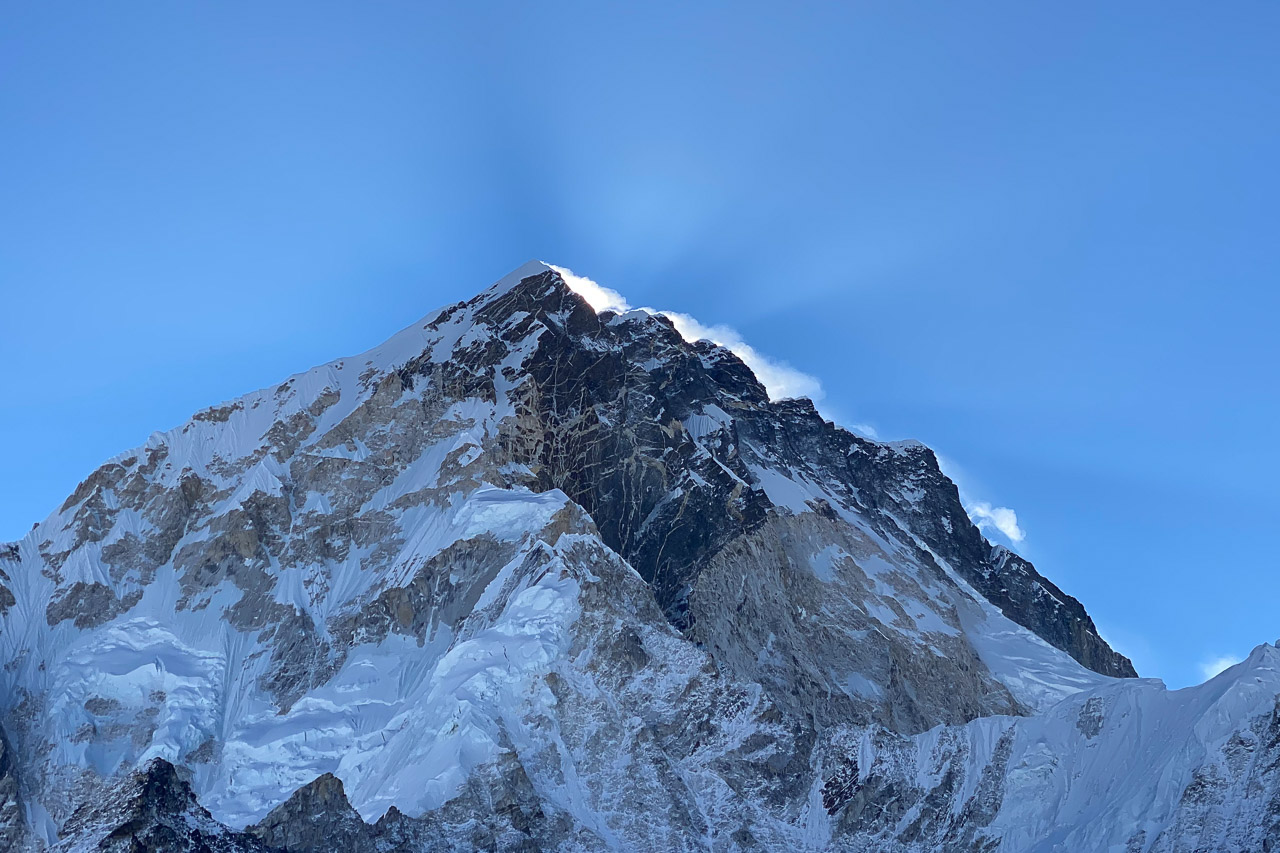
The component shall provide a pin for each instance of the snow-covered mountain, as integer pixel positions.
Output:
(528, 576)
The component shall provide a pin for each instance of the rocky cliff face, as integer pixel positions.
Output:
(151, 810)
(618, 397)
(528, 576)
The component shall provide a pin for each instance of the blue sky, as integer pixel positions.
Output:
(1042, 240)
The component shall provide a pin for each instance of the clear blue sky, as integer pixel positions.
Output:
(1043, 240)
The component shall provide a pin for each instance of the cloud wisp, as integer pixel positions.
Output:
(981, 513)
(597, 295)
(1217, 664)
(865, 430)
(780, 380)
(1001, 518)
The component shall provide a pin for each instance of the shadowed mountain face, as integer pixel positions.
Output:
(529, 576)
(612, 398)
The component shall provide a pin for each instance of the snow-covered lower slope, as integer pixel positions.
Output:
(1124, 766)
(532, 576)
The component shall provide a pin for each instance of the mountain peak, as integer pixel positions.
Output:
(528, 269)
(520, 535)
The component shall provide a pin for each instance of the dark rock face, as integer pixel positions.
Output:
(903, 487)
(1033, 601)
(318, 817)
(89, 604)
(152, 811)
(937, 518)
(606, 419)
(889, 803)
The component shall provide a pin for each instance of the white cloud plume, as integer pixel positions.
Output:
(598, 296)
(1213, 666)
(865, 430)
(780, 380)
(981, 513)
(1001, 518)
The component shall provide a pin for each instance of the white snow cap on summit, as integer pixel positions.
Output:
(780, 380)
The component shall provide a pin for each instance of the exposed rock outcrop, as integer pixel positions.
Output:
(152, 810)
(318, 818)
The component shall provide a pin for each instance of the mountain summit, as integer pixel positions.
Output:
(532, 576)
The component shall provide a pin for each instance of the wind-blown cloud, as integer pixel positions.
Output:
(780, 380)
(1213, 666)
(982, 513)
(1001, 518)
(598, 296)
